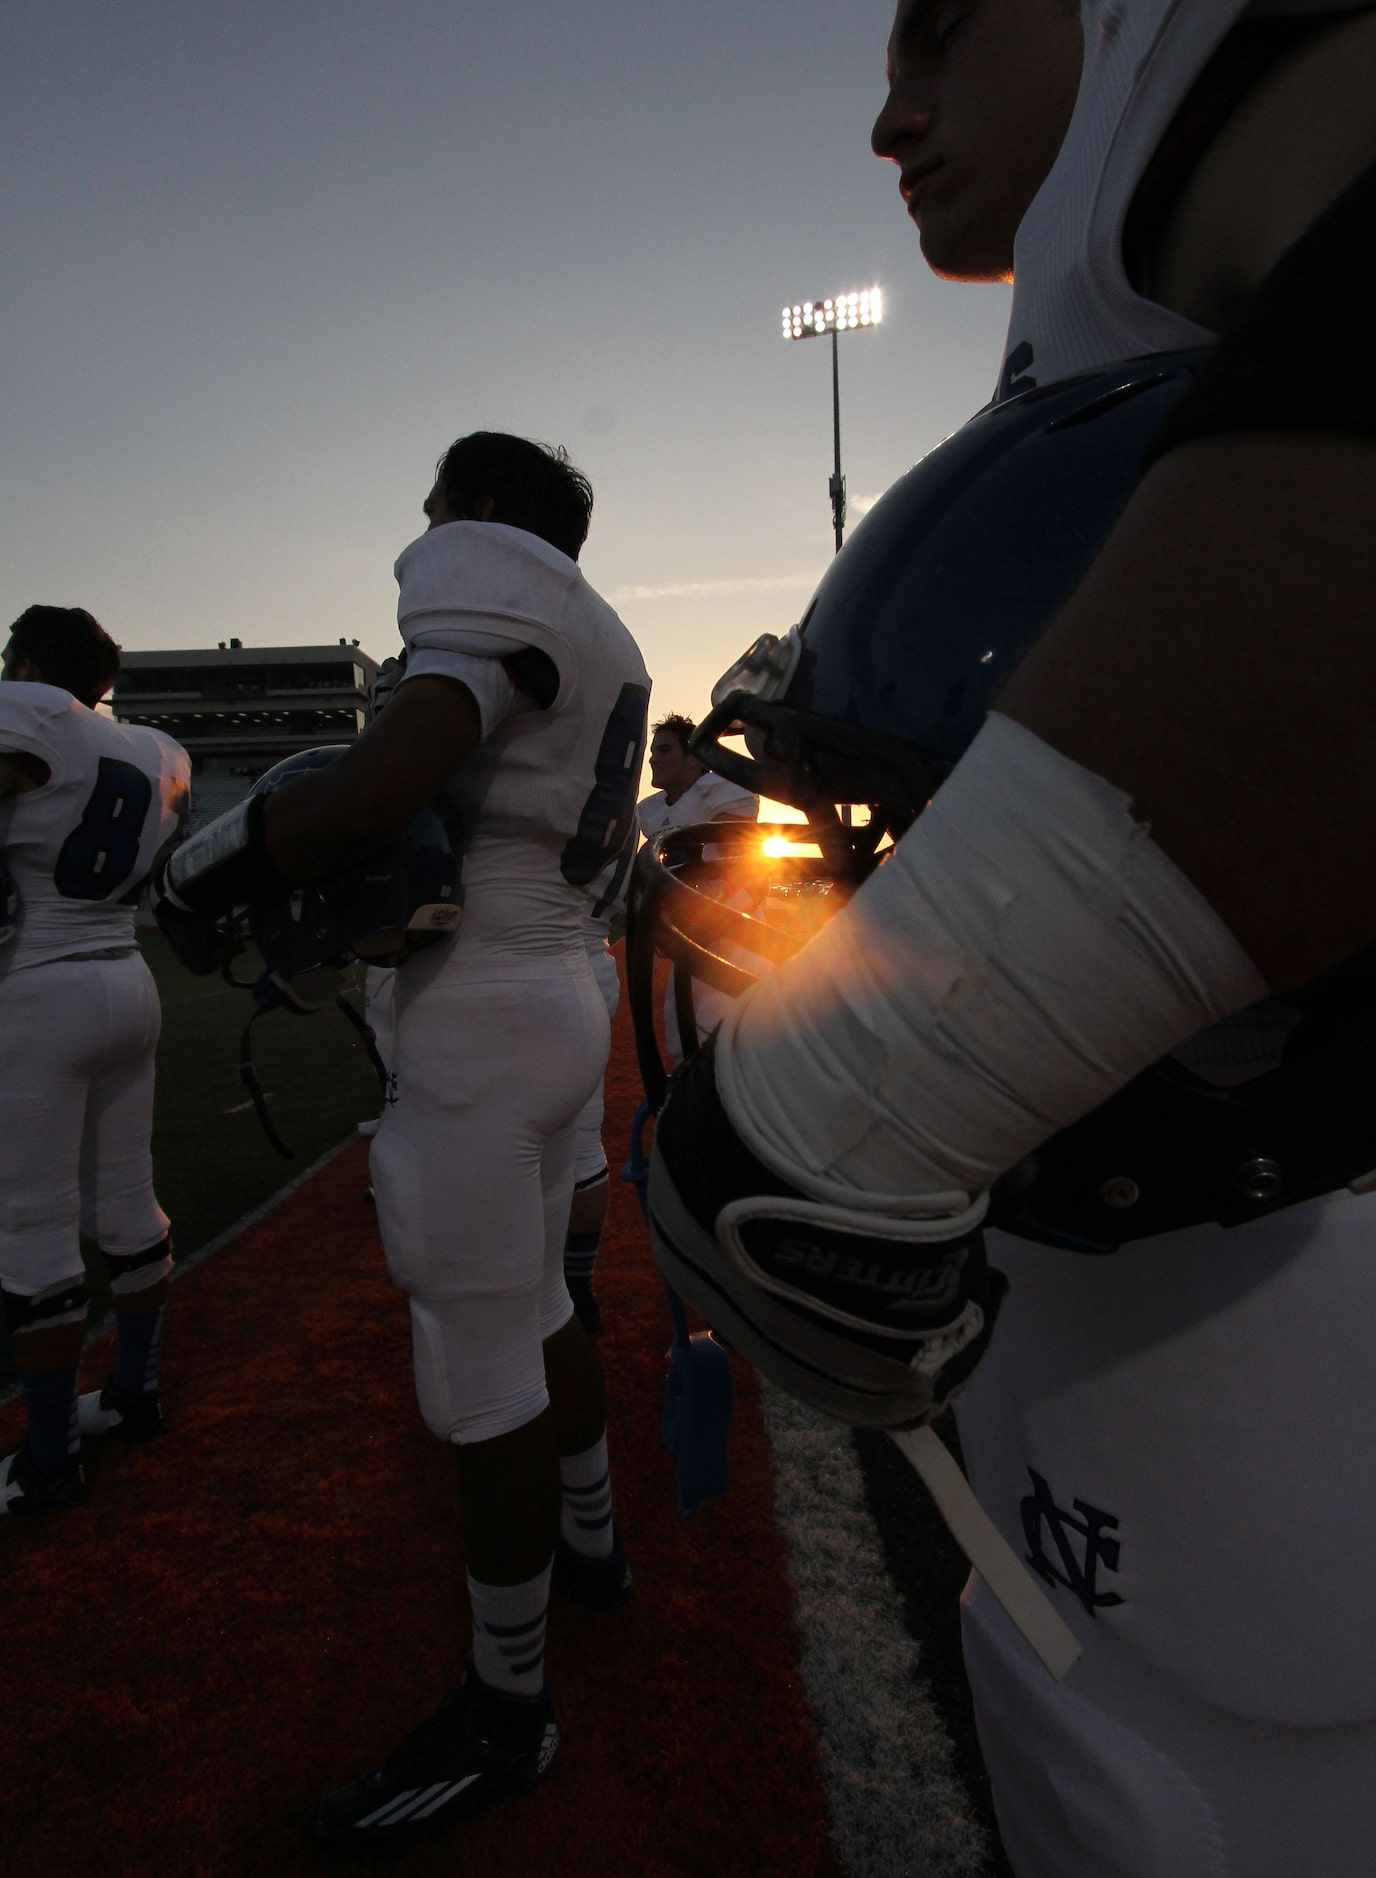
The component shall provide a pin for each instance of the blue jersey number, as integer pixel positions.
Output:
(606, 826)
(102, 851)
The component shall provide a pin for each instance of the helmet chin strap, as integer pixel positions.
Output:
(275, 993)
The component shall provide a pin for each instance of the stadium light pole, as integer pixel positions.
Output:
(810, 319)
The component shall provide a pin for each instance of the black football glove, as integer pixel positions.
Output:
(875, 1319)
(199, 941)
(197, 890)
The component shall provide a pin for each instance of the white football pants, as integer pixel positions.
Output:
(472, 1169)
(77, 1040)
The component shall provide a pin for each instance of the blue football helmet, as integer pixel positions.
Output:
(380, 910)
(872, 699)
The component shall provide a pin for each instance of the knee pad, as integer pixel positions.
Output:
(45, 1310)
(139, 1271)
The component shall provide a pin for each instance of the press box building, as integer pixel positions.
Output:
(239, 709)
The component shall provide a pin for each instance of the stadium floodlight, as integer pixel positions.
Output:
(811, 319)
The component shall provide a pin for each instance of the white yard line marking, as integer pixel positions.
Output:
(895, 1801)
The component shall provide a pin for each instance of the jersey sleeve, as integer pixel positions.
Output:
(649, 814)
(493, 690)
(174, 781)
(1299, 357)
(490, 591)
(728, 802)
(30, 720)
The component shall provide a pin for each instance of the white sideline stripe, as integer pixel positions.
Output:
(97, 1327)
(988, 1551)
(894, 1799)
(260, 1212)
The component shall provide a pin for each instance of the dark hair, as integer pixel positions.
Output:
(532, 485)
(70, 648)
(677, 726)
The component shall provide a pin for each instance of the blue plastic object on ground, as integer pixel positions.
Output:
(700, 1392)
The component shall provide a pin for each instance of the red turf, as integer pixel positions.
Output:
(259, 1605)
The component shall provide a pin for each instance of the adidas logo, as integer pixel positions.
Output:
(416, 1803)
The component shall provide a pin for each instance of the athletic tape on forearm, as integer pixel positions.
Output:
(224, 865)
(1026, 950)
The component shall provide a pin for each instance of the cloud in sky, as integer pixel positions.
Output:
(717, 589)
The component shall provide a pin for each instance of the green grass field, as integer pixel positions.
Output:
(211, 1160)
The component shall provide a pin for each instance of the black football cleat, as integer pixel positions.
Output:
(25, 1488)
(122, 1412)
(598, 1584)
(481, 1745)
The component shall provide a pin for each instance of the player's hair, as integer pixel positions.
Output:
(677, 726)
(532, 485)
(70, 647)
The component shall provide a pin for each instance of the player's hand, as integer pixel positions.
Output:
(197, 889)
(199, 941)
(875, 1318)
(389, 675)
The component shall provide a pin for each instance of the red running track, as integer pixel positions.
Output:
(259, 1605)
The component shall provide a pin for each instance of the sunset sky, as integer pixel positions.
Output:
(262, 262)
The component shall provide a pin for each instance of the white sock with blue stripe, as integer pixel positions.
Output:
(585, 1520)
(509, 1633)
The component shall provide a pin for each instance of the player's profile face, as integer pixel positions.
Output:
(671, 767)
(436, 509)
(12, 664)
(980, 95)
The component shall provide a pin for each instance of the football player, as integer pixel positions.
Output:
(521, 714)
(605, 900)
(86, 805)
(1114, 866)
(686, 792)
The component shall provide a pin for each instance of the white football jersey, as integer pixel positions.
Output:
(547, 801)
(709, 799)
(81, 845)
(1074, 307)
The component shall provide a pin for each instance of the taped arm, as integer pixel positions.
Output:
(331, 819)
(325, 821)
